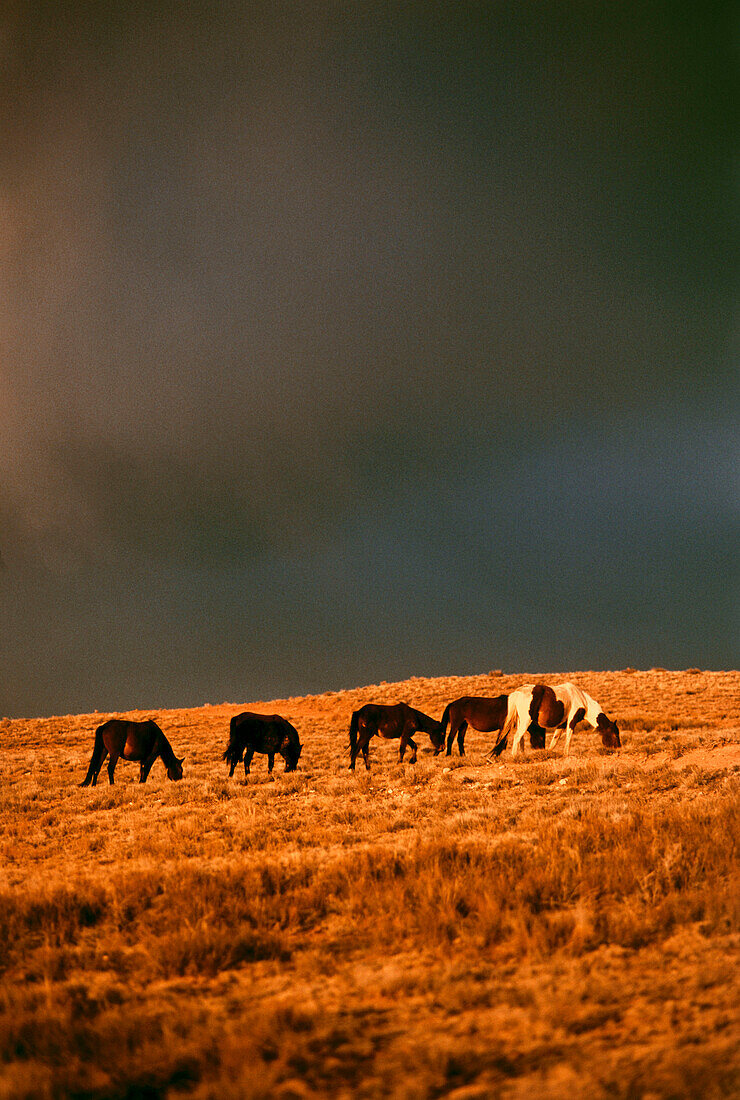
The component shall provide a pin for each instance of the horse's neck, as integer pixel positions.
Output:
(165, 749)
(422, 720)
(593, 709)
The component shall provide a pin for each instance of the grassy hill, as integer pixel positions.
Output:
(538, 926)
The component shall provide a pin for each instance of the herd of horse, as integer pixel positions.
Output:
(535, 709)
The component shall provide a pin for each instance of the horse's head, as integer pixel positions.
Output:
(609, 731)
(437, 737)
(292, 756)
(175, 769)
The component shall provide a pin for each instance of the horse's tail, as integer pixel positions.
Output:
(97, 758)
(232, 744)
(353, 728)
(445, 719)
(512, 720)
(232, 748)
(508, 729)
(499, 747)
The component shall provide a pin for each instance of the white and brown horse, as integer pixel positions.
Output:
(559, 709)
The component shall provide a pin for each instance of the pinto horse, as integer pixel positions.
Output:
(559, 709)
(391, 721)
(142, 742)
(265, 733)
(484, 715)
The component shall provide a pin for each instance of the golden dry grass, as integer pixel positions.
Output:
(545, 926)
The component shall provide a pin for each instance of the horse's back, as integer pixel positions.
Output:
(384, 719)
(255, 729)
(483, 714)
(380, 712)
(242, 724)
(572, 697)
(113, 734)
(258, 719)
(126, 738)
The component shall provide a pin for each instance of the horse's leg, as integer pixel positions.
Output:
(555, 737)
(96, 773)
(270, 762)
(358, 746)
(571, 724)
(146, 765)
(248, 754)
(461, 738)
(366, 749)
(451, 737)
(402, 746)
(517, 740)
(112, 765)
(410, 741)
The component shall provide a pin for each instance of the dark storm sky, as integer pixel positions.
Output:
(349, 341)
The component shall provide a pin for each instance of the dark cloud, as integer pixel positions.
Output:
(289, 287)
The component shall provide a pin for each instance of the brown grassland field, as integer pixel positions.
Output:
(543, 926)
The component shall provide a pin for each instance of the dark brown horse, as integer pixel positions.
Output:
(142, 742)
(266, 733)
(389, 722)
(484, 715)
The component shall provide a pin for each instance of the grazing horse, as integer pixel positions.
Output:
(557, 709)
(139, 741)
(484, 715)
(266, 733)
(389, 722)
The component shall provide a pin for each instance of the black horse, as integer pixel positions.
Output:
(267, 733)
(142, 742)
(484, 715)
(389, 722)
